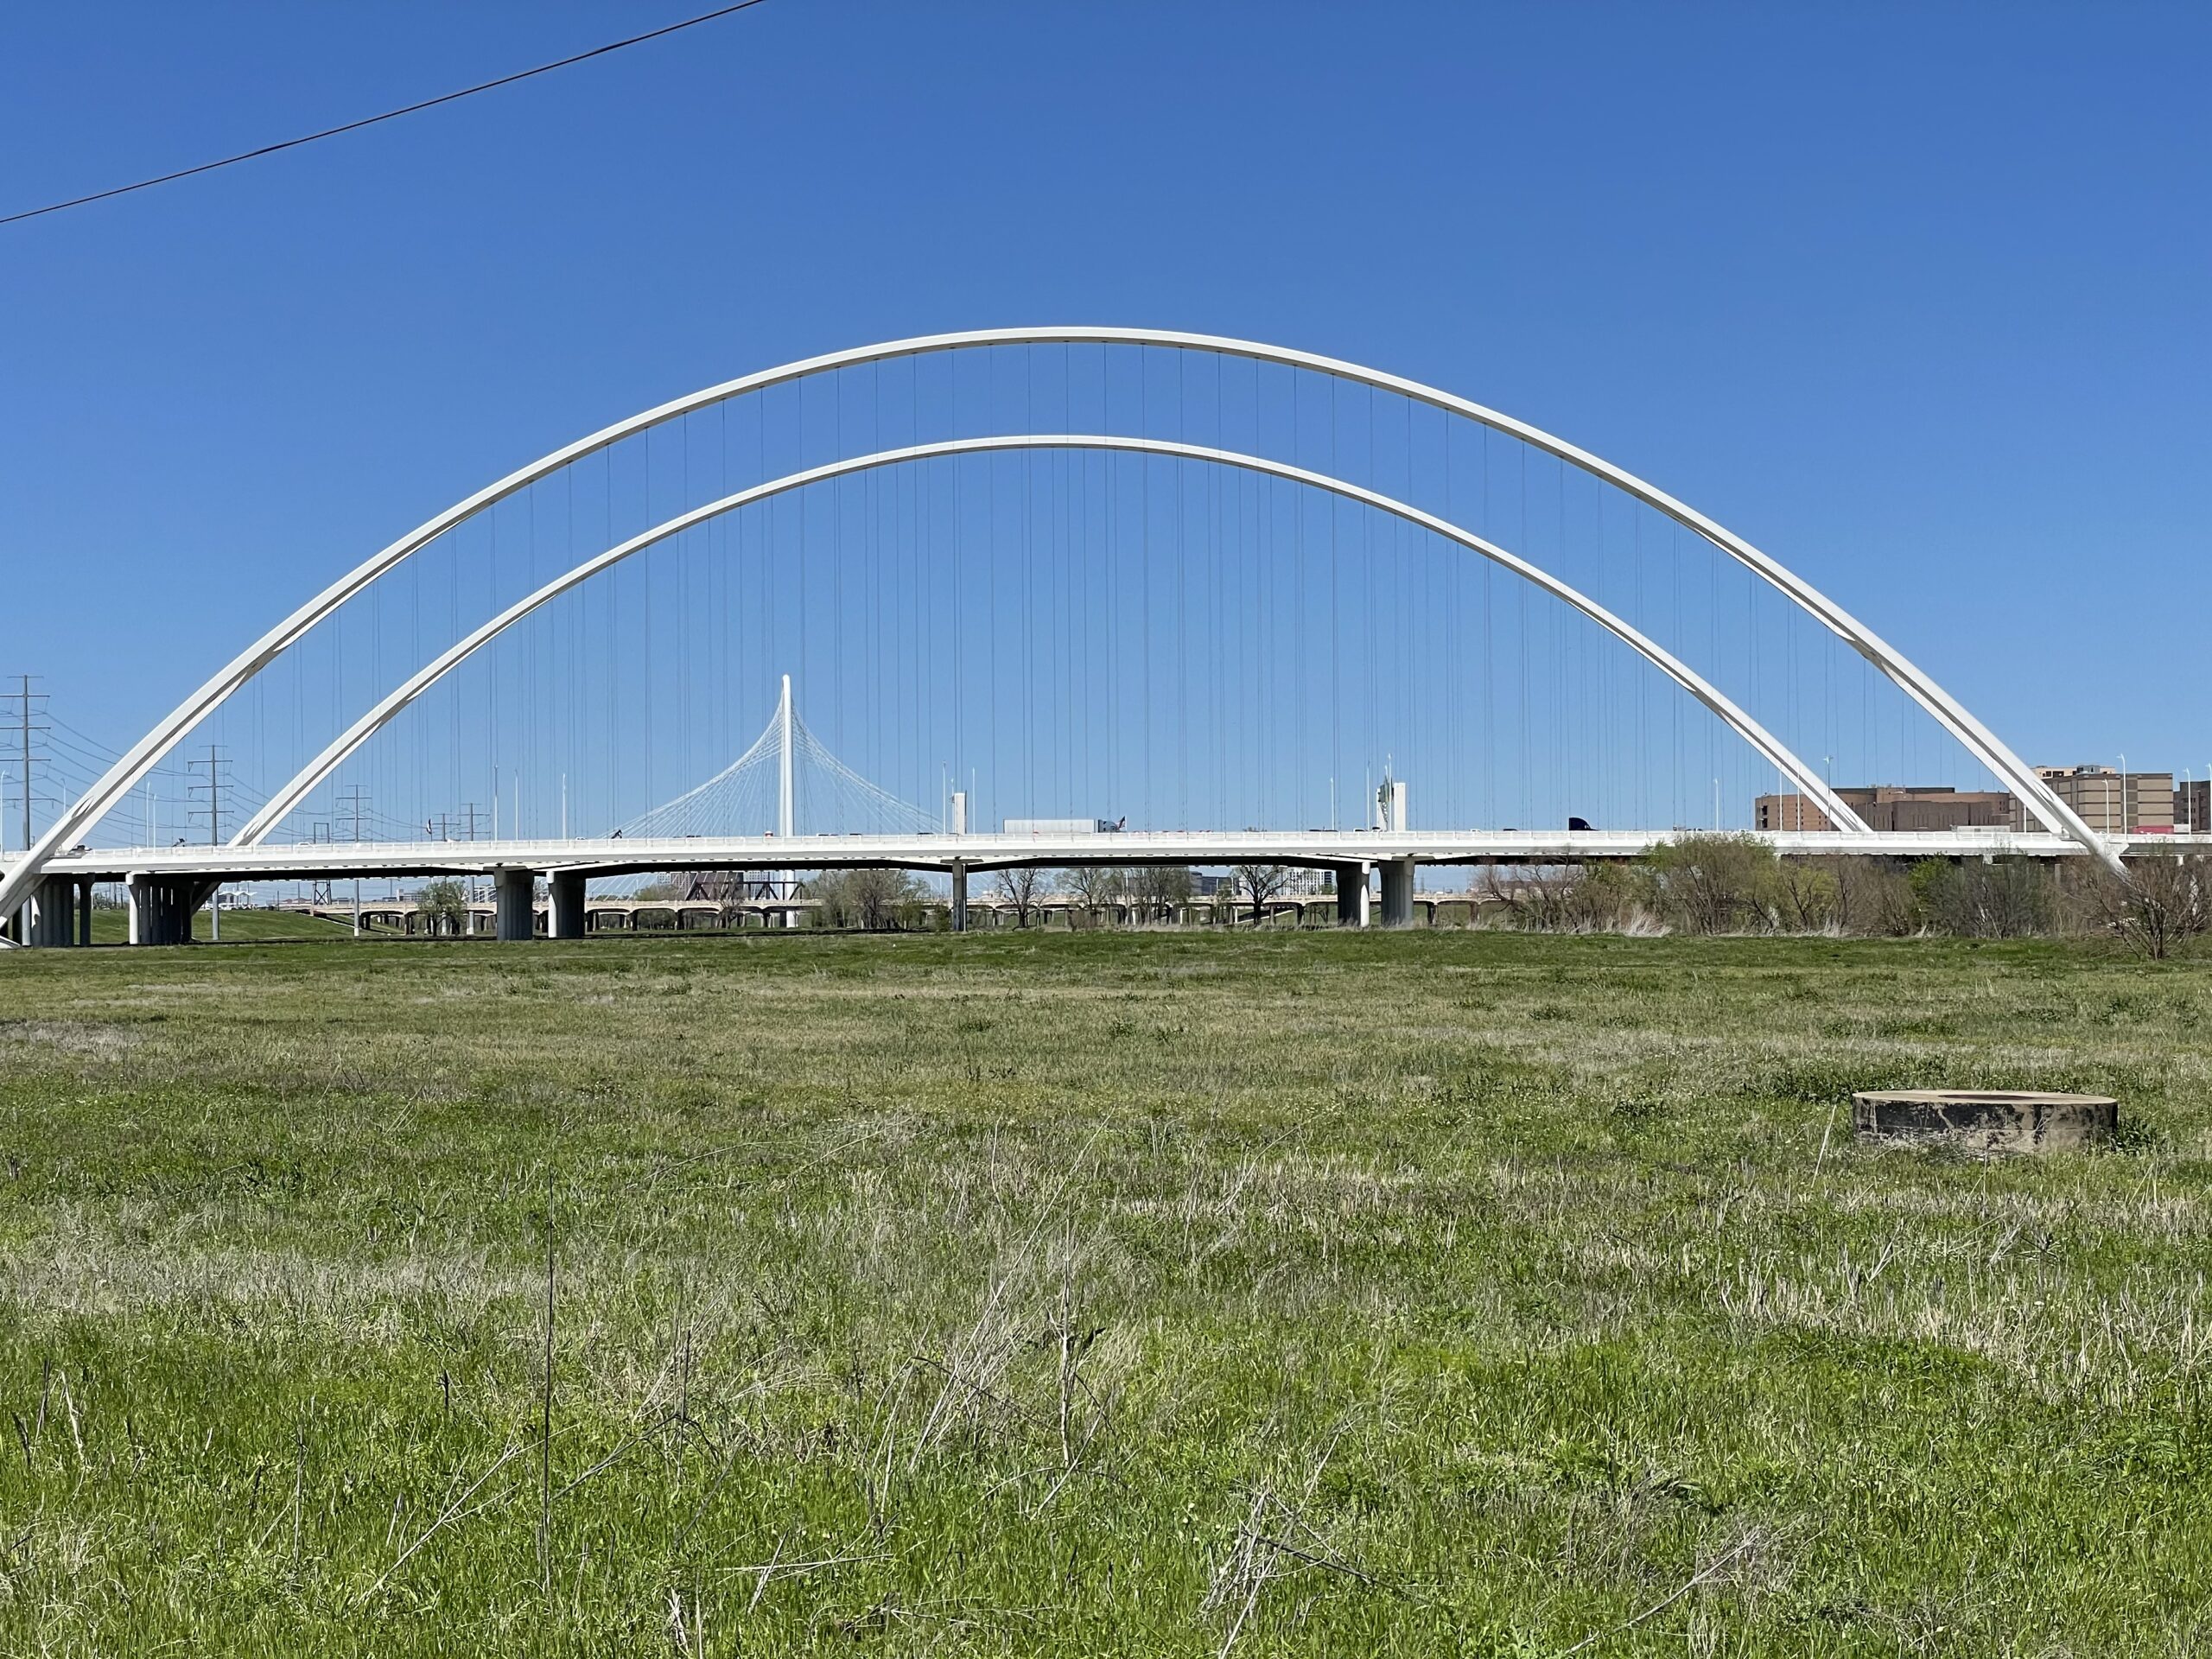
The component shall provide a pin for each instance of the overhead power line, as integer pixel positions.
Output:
(389, 115)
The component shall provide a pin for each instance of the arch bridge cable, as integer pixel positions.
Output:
(1688, 678)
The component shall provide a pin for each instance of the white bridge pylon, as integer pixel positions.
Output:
(740, 800)
(88, 810)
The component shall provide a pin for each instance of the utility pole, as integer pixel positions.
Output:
(213, 788)
(789, 883)
(469, 886)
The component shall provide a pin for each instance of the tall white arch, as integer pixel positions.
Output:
(143, 755)
(1777, 754)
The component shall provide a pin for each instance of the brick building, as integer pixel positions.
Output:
(2193, 805)
(2114, 803)
(1893, 809)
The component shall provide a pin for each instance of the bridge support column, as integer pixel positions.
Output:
(565, 916)
(960, 895)
(514, 895)
(1398, 892)
(1351, 895)
(162, 907)
(84, 913)
(49, 917)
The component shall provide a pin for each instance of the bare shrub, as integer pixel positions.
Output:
(1570, 899)
(2005, 898)
(1096, 886)
(1872, 895)
(1259, 883)
(1708, 884)
(1533, 899)
(878, 901)
(2160, 904)
(1158, 888)
(1808, 897)
(1023, 889)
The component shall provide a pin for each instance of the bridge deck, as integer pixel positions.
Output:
(324, 861)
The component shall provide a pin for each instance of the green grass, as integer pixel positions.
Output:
(1136, 1294)
(112, 926)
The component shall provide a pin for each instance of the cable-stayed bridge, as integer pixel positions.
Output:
(1188, 583)
(785, 769)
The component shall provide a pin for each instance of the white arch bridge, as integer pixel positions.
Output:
(47, 887)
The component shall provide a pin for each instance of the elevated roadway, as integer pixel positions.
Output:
(331, 860)
(167, 884)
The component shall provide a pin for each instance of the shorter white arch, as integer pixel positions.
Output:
(1738, 720)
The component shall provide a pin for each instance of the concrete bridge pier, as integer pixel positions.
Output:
(565, 916)
(1351, 895)
(1398, 892)
(58, 912)
(162, 906)
(514, 898)
(960, 895)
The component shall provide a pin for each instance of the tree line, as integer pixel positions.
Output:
(1736, 884)
(1708, 884)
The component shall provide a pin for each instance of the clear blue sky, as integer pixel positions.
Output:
(1913, 295)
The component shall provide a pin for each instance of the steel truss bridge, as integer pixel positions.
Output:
(46, 888)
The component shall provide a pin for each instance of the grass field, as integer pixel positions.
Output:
(1136, 1294)
(111, 925)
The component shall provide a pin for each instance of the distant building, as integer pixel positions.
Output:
(1893, 809)
(2114, 803)
(1789, 812)
(2193, 806)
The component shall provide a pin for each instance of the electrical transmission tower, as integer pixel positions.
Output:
(318, 833)
(213, 790)
(353, 806)
(24, 728)
(355, 803)
(216, 765)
